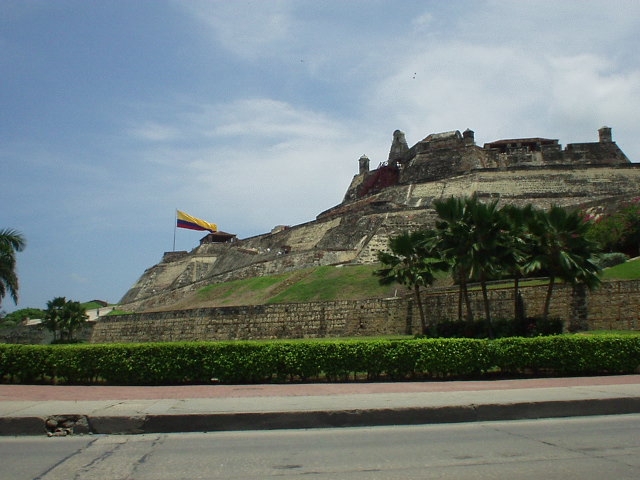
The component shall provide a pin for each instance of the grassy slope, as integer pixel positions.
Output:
(308, 285)
(625, 271)
(325, 284)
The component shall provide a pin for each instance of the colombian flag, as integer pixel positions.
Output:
(192, 223)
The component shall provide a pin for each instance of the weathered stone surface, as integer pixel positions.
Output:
(398, 196)
(615, 305)
(298, 320)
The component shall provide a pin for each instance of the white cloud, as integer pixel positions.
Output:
(423, 21)
(155, 132)
(250, 29)
(588, 85)
(455, 86)
(265, 118)
(78, 278)
(514, 69)
(252, 163)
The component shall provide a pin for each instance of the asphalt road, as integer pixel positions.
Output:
(580, 447)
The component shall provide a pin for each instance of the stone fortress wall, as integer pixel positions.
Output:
(397, 196)
(614, 306)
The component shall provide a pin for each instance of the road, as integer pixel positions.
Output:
(581, 447)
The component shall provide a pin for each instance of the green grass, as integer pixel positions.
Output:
(324, 283)
(629, 270)
(332, 283)
(116, 312)
(609, 332)
(229, 292)
(91, 305)
(625, 271)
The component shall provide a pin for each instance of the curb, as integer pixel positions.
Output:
(217, 422)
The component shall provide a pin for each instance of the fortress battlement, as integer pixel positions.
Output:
(450, 154)
(398, 196)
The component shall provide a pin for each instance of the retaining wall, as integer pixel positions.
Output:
(299, 320)
(615, 305)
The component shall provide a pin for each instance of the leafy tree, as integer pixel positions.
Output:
(562, 250)
(14, 318)
(11, 242)
(74, 317)
(519, 248)
(618, 231)
(63, 318)
(475, 238)
(454, 235)
(489, 246)
(630, 214)
(412, 261)
(606, 231)
(53, 315)
(483, 242)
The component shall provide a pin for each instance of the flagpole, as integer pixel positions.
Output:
(175, 222)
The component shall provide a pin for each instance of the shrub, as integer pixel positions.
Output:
(258, 362)
(501, 328)
(544, 326)
(605, 260)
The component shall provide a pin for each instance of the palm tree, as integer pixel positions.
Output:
(11, 242)
(476, 240)
(74, 316)
(489, 246)
(562, 250)
(64, 317)
(454, 233)
(412, 261)
(54, 315)
(519, 248)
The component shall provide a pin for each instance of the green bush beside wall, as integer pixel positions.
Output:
(260, 362)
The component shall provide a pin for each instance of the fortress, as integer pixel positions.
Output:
(397, 196)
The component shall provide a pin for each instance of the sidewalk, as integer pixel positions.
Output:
(61, 410)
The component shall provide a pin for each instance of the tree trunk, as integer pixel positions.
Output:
(467, 300)
(460, 303)
(423, 320)
(579, 311)
(547, 301)
(516, 294)
(519, 314)
(487, 307)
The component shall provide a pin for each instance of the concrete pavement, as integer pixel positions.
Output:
(62, 410)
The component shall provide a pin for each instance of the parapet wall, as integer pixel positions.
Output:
(614, 306)
(299, 320)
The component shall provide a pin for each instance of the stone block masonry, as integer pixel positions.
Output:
(297, 320)
(614, 306)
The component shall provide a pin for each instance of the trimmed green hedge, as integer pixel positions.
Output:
(260, 362)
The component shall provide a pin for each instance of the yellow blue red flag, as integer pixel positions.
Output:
(192, 223)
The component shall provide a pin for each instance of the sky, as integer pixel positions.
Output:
(252, 114)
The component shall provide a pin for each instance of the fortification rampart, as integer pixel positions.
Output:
(398, 196)
(615, 305)
(300, 320)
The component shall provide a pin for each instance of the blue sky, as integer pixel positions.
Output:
(252, 114)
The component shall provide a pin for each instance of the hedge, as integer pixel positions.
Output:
(340, 360)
